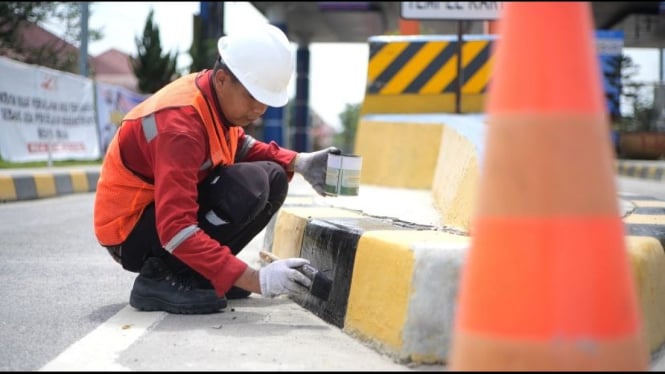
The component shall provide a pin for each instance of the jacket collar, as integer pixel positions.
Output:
(204, 82)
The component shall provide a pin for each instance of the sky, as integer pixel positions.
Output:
(338, 71)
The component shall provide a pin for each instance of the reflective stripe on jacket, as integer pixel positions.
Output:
(121, 194)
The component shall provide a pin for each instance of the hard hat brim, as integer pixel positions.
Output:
(265, 97)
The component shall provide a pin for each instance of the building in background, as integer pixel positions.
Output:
(114, 67)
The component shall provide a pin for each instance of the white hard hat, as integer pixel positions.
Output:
(261, 59)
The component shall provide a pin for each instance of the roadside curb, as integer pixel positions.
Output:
(395, 283)
(641, 169)
(41, 184)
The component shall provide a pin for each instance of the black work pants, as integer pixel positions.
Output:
(235, 203)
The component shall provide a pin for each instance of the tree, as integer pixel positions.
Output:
(203, 50)
(349, 118)
(643, 113)
(153, 69)
(14, 16)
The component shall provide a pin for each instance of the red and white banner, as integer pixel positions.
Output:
(45, 114)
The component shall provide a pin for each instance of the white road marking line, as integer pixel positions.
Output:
(99, 350)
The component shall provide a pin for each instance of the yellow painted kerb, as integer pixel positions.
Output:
(381, 285)
(44, 185)
(380, 289)
(398, 154)
(648, 260)
(7, 188)
(79, 181)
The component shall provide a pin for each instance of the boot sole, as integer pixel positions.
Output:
(151, 304)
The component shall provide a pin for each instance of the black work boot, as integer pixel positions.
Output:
(158, 288)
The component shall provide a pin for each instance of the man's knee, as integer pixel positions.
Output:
(236, 194)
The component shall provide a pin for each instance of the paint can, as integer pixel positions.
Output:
(343, 174)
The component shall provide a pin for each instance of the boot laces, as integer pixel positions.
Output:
(182, 283)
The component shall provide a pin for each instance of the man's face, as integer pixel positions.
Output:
(238, 105)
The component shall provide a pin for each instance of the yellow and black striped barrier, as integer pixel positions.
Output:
(644, 170)
(41, 184)
(419, 74)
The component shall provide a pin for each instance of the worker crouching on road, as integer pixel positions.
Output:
(183, 189)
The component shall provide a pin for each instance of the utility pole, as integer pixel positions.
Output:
(83, 50)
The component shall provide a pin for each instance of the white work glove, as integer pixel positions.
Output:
(312, 166)
(280, 277)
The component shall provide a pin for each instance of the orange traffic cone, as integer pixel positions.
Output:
(547, 283)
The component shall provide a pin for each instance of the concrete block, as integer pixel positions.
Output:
(330, 245)
(289, 227)
(403, 294)
(457, 173)
(648, 262)
(398, 154)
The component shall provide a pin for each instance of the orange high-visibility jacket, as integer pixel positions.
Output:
(120, 190)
